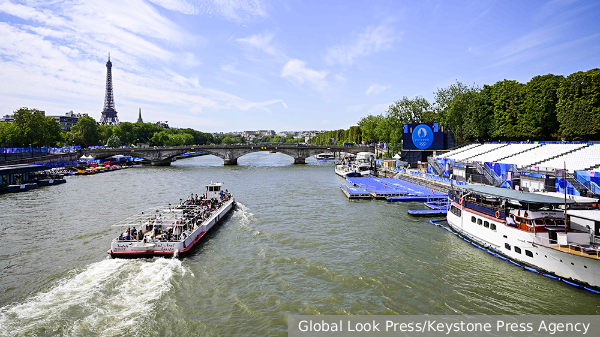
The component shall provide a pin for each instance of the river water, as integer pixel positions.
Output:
(294, 245)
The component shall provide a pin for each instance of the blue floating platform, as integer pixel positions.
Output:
(409, 198)
(426, 212)
(384, 188)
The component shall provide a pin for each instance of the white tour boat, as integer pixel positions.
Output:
(530, 228)
(172, 230)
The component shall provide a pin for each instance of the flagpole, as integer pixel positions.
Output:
(565, 179)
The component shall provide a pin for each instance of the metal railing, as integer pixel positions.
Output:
(572, 248)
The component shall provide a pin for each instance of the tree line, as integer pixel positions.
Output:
(548, 107)
(31, 128)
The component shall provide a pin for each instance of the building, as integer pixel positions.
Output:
(266, 132)
(8, 118)
(163, 125)
(68, 120)
(249, 134)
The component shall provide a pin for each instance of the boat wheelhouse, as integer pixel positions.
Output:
(172, 230)
(531, 228)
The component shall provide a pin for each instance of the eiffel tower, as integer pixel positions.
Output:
(109, 114)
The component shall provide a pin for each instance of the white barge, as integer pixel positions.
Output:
(172, 230)
(531, 229)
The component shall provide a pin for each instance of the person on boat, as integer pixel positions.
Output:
(510, 222)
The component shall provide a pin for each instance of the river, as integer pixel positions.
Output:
(294, 245)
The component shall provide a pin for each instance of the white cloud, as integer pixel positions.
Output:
(262, 42)
(372, 40)
(297, 71)
(375, 89)
(234, 10)
(284, 105)
(185, 7)
(56, 60)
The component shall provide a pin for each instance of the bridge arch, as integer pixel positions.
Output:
(229, 153)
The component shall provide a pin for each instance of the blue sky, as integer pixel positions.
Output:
(227, 65)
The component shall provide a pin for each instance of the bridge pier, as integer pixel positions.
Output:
(299, 160)
(230, 161)
(161, 162)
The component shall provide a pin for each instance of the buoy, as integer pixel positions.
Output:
(497, 214)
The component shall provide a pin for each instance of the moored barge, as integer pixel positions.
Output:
(530, 228)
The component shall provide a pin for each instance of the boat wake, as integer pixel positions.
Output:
(243, 215)
(111, 297)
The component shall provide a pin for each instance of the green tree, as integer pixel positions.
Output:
(9, 133)
(125, 132)
(453, 106)
(104, 133)
(85, 132)
(507, 97)
(113, 141)
(368, 126)
(36, 129)
(578, 105)
(539, 120)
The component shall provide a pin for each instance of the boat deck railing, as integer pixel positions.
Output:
(591, 250)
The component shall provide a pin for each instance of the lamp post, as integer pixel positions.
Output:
(31, 149)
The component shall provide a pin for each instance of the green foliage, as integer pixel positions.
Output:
(539, 121)
(578, 105)
(104, 133)
(507, 97)
(277, 139)
(341, 136)
(31, 128)
(85, 132)
(9, 133)
(368, 126)
(172, 137)
(113, 141)
(456, 107)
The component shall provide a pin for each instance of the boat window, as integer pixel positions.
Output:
(549, 222)
(473, 219)
(528, 253)
(493, 226)
(507, 246)
(539, 222)
(486, 224)
(517, 250)
(479, 222)
(559, 222)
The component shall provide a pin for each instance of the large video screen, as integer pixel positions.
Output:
(425, 136)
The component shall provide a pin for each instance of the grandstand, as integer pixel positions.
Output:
(503, 152)
(540, 154)
(475, 151)
(582, 159)
(459, 150)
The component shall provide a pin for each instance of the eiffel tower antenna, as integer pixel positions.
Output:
(109, 114)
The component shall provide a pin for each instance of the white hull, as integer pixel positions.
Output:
(535, 251)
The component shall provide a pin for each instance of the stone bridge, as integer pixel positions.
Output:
(229, 153)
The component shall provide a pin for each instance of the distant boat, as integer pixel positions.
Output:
(325, 156)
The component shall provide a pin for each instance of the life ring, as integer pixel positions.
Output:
(460, 201)
(497, 214)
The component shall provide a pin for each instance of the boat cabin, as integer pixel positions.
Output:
(213, 190)
(537, 221)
